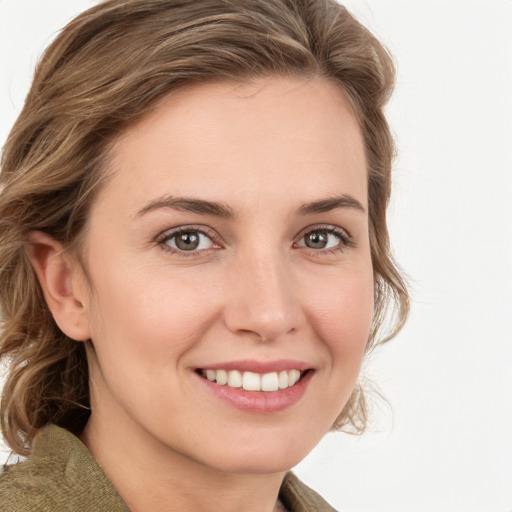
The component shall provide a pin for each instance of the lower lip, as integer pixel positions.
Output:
(260, 401)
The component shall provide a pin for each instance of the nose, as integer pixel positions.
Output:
(262, 301)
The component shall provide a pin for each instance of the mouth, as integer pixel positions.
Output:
(252, 381)
(257, 386)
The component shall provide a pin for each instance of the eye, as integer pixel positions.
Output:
(187, 240)
(325, 238)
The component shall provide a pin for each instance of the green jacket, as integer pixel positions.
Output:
(61, 475)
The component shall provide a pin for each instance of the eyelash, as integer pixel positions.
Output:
(345, 239)
(343, 236)
(169, 235)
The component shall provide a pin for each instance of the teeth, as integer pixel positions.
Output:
(293, 377)
(283, 380)
(251, 381)
(234, 379)
(269, 382)
(221, 377)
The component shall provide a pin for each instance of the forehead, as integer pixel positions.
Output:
(244, 140)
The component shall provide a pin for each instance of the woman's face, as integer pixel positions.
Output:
(231, 242)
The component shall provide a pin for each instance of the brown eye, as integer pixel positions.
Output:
(189, 241)
(325, 238)
(316, 239)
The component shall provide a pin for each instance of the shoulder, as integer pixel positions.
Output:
(60, 475)
(27, 487)
(298, 497)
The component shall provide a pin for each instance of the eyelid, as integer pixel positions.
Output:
(343, 234)
(346, 240)
(166, 235)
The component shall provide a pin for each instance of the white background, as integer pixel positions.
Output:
(445, 442)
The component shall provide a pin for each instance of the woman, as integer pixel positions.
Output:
(194, 254)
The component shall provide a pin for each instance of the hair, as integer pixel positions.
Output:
(108, 67)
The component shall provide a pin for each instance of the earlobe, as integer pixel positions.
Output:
(58, 276)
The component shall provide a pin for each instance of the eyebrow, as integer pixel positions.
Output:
(217, 209)
(185, 204)
(327, 205)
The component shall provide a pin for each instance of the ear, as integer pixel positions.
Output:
(63, 284)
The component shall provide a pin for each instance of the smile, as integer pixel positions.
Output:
(251, 381)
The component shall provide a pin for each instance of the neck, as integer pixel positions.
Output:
(150, 476)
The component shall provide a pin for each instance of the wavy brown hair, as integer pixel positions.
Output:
(107, 68)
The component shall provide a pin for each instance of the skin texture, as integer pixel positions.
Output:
(252, 290)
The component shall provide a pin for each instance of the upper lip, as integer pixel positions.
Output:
(255, 366)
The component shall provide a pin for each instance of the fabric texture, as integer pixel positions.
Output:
(61, 475)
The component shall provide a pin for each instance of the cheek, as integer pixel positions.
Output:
(341, 316)
(342, 313)
(149, 315)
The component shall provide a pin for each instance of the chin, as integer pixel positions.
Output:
(260, 465)
(263, 455)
